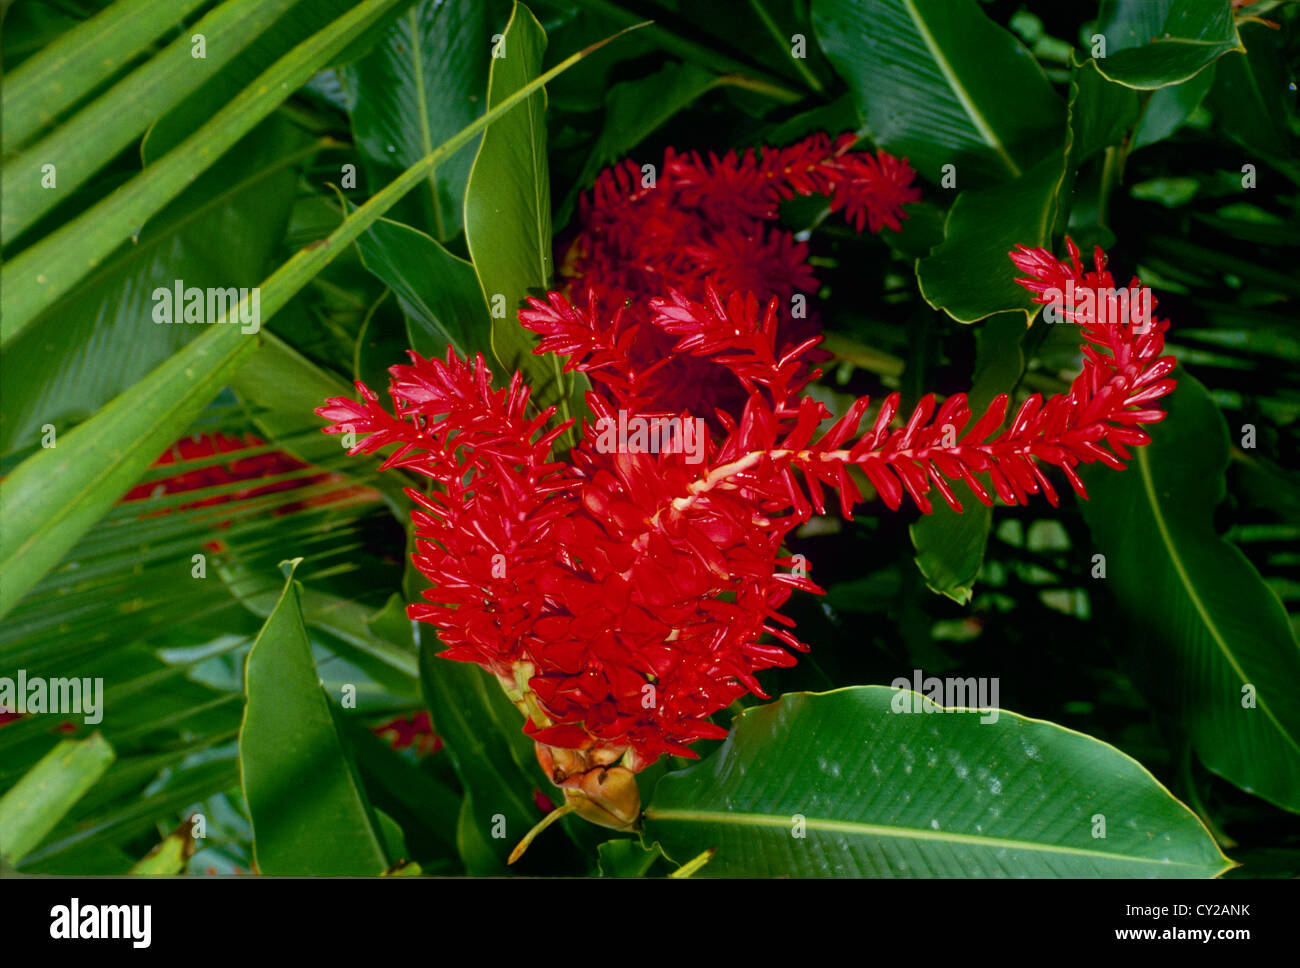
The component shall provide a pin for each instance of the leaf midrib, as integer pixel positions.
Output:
(1167, 540)
(963, 96)
(724, 818)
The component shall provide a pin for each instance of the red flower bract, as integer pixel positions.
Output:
(700, 223)
(621, 596)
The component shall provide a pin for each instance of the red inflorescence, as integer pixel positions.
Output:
(713, 223)
(624, 596)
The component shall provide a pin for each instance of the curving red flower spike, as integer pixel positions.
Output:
(625, 594)
(712, 222)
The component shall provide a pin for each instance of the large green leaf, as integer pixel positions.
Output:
(439, 292)
(310, 812)
(1205, 635)
(423, 82)
(57, 76)
(43, 272)
(90, 139)
(37, 802)
(508, 216)
(940, 83)
(100, 338)
(968, 275)
(1168, 107)
(1154, 43)
(878, 788)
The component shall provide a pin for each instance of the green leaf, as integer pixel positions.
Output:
(100, 338)
(423, 82)
(1208, 638)
(439, 292)
(1249, 92)
(98, 460)
(170, 856)
(938, 82)
(1155, 43)
(878, 789)
(1168, 107)
(43, 272)
(37, 802)
(508, 216)
(92, 137)
(969, 275)
(625, 857)
(636, 109)
(950, 546)
(1101, 112)
(54, 496)
(309, 810)
(76, 62)
(471, 713)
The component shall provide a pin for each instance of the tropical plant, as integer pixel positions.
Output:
(846, 260)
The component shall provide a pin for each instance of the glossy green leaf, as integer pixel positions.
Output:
(35, 804)
(508, 216)
(1154, 43)
(1101, 111)
(91, 138)
(1168, 107)
(932, 79)
(439, 292)
(310, 812)
(1207, 637)
(860, 782)
(57, 76)
(969, 275)
(42, 273)
(424, 81)
(100, 338)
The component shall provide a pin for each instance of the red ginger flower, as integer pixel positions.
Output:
(624, 597)
(705, 224)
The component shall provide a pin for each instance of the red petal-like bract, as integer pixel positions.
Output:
(695, 223)
(623, 596)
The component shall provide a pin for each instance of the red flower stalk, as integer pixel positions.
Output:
(623, 596)
(701, 224)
